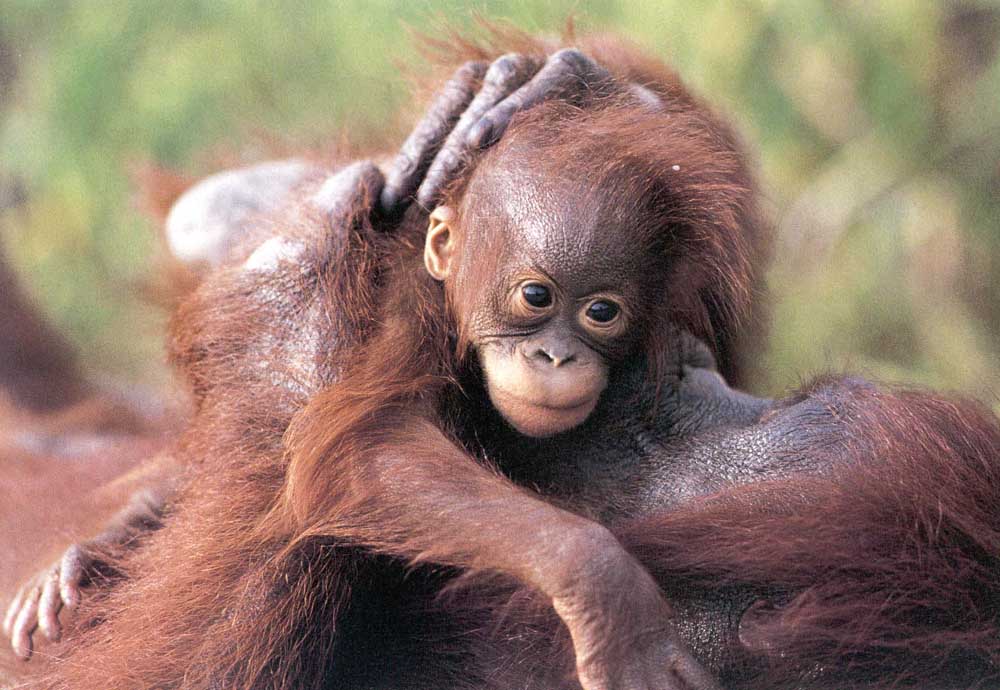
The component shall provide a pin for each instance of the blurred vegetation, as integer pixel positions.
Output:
(876, 126)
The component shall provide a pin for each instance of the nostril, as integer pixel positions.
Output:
(552, 356)
(541, 355)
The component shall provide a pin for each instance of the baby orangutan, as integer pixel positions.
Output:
(554, 271)
(571, 247)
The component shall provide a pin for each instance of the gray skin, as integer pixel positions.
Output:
(617, 463)
(545, 366)
(558, 355)
(621, 462)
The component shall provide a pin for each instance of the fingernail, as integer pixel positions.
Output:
(480, 134)
(388, 200)
(69, 596)
(22, 650)
(426, 197)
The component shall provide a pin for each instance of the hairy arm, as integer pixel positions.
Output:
(416, 495)
(371, 464)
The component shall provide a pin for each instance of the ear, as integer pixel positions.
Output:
(439, 248)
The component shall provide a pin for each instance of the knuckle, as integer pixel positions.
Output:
(505, 111)
(505, 68)
(48, 615)
(472, 69)
(479, 133)
(72, 561)
(570, 57)
(446, 161)
(22, 642)
(403, 165)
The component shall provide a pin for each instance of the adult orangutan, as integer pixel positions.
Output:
(283, 575)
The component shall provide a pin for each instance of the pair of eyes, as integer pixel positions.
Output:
(600, 311)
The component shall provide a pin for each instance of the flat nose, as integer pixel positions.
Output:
(555, 354)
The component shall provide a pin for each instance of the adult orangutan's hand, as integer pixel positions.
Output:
(37, 604)
(473, 110)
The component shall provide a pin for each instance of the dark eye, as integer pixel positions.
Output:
(602, 312)
(536, 295)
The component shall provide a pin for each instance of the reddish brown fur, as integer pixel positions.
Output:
(702, 214)
(894, 556)
(215, 548)
(244, 588)
(65, 474)
(891, 559)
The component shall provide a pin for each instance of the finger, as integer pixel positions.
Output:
(72, 569)
(12, 610)
(339, 196)
(506, 74)
(25, 624)
(566, 73)
(48, 607)
(419, 148)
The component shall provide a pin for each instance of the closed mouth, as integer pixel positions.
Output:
(570, 406)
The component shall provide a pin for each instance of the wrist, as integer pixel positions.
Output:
(589, 558)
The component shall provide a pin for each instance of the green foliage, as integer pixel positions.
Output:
(876, 126)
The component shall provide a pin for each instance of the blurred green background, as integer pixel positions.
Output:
(876, 126)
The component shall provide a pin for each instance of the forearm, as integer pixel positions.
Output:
(418, 496)
(427, 500)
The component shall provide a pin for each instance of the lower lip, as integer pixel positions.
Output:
(548, 408)
(564, 410)
(567, 412)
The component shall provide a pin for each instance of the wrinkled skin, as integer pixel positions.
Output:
(611, 477)
(545, 365)
(462, 119)
(618, 464)
(599, 591)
